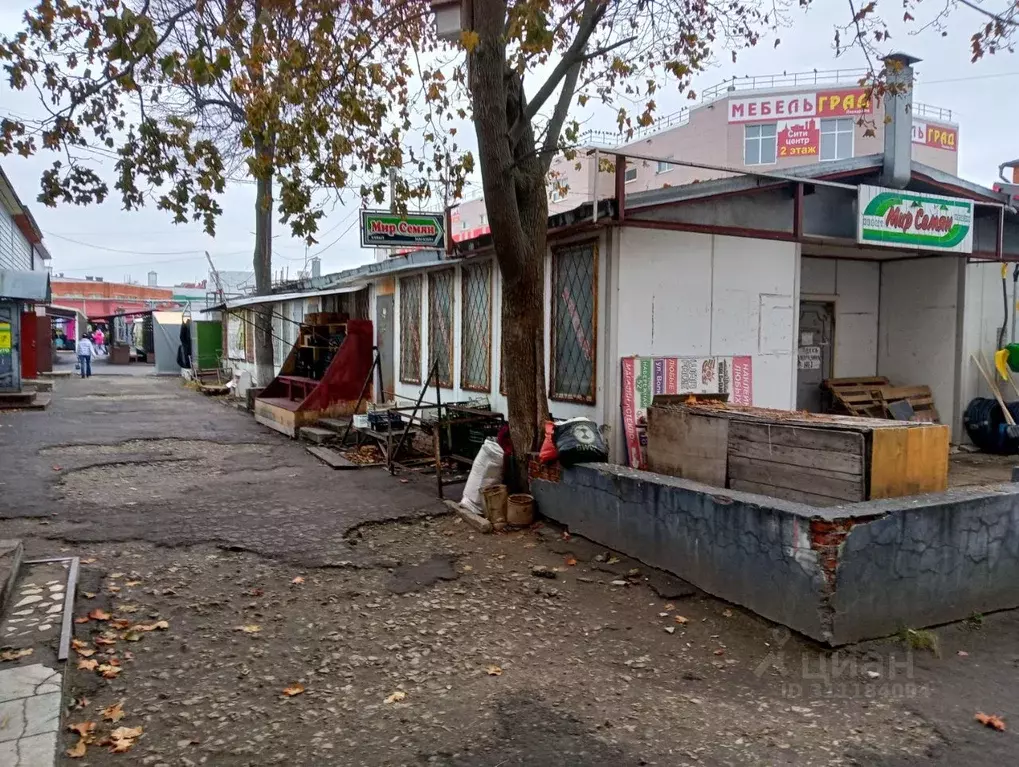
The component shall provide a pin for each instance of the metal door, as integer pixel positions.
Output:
(10, 358)
(384, 327)
(814, 357)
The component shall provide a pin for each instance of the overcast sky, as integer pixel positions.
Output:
(107, 241)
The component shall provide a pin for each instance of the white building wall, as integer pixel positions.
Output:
(15, 250)
(854, 287)
(918, 326)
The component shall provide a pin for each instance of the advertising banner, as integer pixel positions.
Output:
(644, 377)
(937, 136)
(799, 138)
(796, 106)
(897, 218)
(382, 229)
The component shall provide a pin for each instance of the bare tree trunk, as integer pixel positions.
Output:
(263, 277)
(514, 185)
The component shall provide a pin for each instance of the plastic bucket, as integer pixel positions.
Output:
(520, 510)
(494, 498)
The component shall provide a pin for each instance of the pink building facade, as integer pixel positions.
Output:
(764, 123)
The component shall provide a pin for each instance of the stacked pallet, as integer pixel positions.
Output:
(875, 397)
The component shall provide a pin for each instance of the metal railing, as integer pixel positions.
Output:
(931, 112)
(826, 78)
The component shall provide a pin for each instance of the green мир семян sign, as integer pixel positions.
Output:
(382, 229)
(899, 218)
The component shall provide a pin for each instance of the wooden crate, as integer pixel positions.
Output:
(824, 460)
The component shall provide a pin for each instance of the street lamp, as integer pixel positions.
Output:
(451, 18)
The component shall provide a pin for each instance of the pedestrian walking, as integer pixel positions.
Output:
(100, 341)
(85, 352)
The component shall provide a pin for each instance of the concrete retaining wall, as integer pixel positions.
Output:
(837, 574)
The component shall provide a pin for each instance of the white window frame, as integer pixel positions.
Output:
(557, 194)
(759, 139)
(626, 174)
(840, 128)
(664, 166)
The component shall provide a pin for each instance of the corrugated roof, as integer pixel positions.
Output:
(25, 286)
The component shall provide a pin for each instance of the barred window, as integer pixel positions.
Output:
(476, 327)
(574, 325)
(410, 329)
(440, 325)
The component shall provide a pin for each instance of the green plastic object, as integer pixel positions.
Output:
(1013, 357)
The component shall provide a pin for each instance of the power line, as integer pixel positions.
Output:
(125, 252)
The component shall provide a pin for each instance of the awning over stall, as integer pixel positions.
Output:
(275, 298)
(25, 286)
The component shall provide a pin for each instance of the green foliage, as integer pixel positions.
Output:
(184, 93)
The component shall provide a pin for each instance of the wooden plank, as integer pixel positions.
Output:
(847, 487)
(846, 442)
(831, 383)
(908, 461)
(785, 493)
(808, 458)
(331, 458)
(688, 445)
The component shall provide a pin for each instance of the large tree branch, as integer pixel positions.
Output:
(594, 11)
(555, 125)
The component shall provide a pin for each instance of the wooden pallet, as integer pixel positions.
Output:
(871, 398)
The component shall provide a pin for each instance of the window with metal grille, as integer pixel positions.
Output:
(410, 329)
(476, 332)
(440, 326)
(574, 324)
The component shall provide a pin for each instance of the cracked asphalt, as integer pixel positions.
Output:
(416, 641)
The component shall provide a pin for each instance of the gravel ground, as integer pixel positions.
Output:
(451, 651)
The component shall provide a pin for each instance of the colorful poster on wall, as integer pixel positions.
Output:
(799, 138)
(644, 377)
(5, 338)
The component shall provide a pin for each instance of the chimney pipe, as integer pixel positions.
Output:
(316, 267)
(898, 157)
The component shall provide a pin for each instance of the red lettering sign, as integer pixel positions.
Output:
(918, 220)
(766, 108)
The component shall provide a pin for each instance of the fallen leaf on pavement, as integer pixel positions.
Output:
(494, 671)
(127, 608)
(571, 560)
(963, 654)
(82, 728)
(670, 629)
(719, 652)
(396, 697)
(114, 589)
(88, 561)
(56, 468)
(990, 720)
(78, 750)
(114, 713)
(78, 644)
(85, 652)
(81, 703)
(298, 580)
(613, 561)
(726, 613)
(669, 606)
(123, 738)
(15, 654)
(105, 640)
(133, 636)
(162, 625)
(109, 671)
(295, 689)
(681, 619)
(88, 665)
(99, 615)
(82, 619)
(89, 594)
(116, 575)
(132, 583)
(249, 629)
(566, 535)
